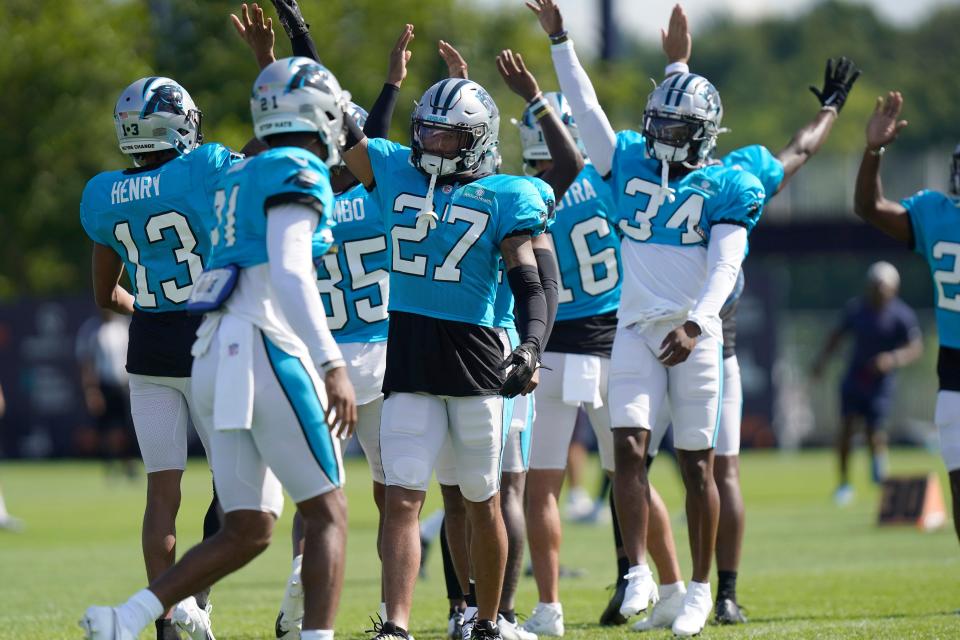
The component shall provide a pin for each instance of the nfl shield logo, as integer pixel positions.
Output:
(233, 349)
(447, 188)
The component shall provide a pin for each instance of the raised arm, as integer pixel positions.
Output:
(257, 31)
(597, 134)
(381, 113)
(567, 161)
(296, 28)
(869, 203)
(839, 77)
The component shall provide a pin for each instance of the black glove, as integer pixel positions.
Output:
(524, 361)
(291, 18)
(838, 79)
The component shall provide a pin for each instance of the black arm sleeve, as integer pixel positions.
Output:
(378, 120)
(303, 46)
(550, 278)
(529, 304)
(354, 133)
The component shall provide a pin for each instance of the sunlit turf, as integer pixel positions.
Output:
(810, 569)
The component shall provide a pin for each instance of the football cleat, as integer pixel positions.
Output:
(387, 631)
(290, 619)
(192, 620)
(640, 592)
(455, 624)
(611, 616)
(664, 612)
(727, 611)
(102, 623)
(843, 495)
(469, 619)
(546, 620)
(485, 630)
(166, 630)
(513, 631)
(697, 604)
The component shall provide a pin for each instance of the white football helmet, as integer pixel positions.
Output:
(299, 94)
(454, 126)
(154, 114)
(955, 172)
(682, 118)
(531, 134)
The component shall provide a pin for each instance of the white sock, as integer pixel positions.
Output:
(667, 590)
(139, 611)
(297, 564)
(554, 606)
(3, 507)
(699, 589)
(641, 570)
(316, 634)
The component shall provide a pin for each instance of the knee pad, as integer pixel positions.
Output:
(477, 487)
(409, 472)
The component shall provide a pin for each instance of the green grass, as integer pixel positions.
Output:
(810, 570)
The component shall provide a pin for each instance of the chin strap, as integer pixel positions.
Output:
(665, 193)
(427, 218)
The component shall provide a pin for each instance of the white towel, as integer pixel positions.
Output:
(581, 380)
(521, 407)
(233, 393)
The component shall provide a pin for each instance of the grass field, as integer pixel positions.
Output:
(810, 570)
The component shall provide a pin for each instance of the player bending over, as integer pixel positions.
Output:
(929, 223)
(256, 385)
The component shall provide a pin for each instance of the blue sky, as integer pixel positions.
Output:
(581, 14)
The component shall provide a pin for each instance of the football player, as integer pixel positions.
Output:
(577, 357)
(774, 171)
(150, 221)
(446, 374)
(257, 390)
(354, 285)
(516, 458)
(927, 223)
(685, 225)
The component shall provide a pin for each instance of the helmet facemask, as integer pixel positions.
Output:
(444, 149)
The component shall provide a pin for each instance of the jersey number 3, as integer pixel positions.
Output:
(184, 254)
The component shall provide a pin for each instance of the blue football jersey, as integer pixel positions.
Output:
(935, 218)
(711, 195)
(450, 272)
(757, 160)
(588, 248)
(278, 176)
(158, 221)
(354, 280)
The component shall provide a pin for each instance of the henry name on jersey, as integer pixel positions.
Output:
(137, 188)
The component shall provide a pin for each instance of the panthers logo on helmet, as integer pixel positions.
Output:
(166, 99)
(309, 75)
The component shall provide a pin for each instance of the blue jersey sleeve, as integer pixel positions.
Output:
(210, 161)
(759, 161)
(523, 208)
(384, 155)
(296, 176)
(920, 207)
(87, 215)
(742, 201)
(630, 145)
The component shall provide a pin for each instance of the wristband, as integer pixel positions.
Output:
(330, 365)
(557, 38)
(830, 107)
(676, 67)
(538, 107)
